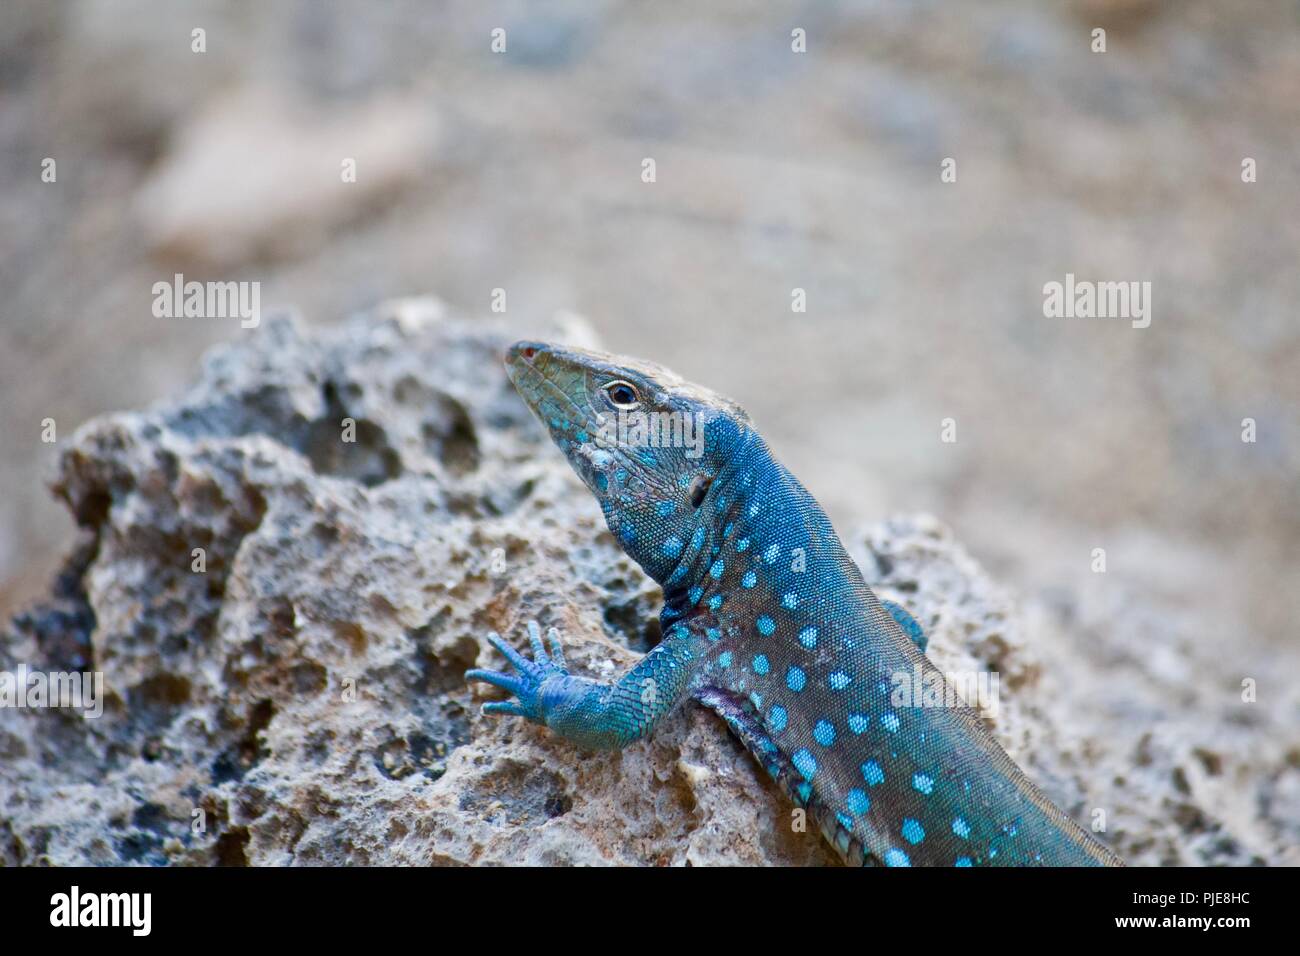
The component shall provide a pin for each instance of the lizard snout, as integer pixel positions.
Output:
(524, 352)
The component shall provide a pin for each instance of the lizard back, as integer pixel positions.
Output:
(814, 662)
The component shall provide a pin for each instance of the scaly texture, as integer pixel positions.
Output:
(768, 621)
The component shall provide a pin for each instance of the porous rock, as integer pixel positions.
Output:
(283, 620)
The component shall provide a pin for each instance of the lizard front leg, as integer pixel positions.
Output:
(594, 714)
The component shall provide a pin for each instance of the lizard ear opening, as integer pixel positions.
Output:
(700, 488)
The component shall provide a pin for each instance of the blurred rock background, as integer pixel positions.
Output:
(775, 170)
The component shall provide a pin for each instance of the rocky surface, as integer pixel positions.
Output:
(301, 699)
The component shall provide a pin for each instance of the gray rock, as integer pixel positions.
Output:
(301, 699)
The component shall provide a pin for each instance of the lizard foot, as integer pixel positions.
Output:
(527, 684)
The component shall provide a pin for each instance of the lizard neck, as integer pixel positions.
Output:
(745, 458)
(758, 515)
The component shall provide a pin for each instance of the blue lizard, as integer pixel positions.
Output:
(767, 621)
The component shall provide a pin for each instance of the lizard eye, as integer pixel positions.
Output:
(622, 394)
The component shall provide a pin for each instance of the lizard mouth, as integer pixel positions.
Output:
(527, 367)
(593, 447)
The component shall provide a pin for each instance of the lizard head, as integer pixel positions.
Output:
(649, 445)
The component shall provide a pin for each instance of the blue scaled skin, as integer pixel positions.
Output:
(767, 621)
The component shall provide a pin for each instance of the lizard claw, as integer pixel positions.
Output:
(557, 649)
(535, 639)
(526, 684)
(504, 707)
